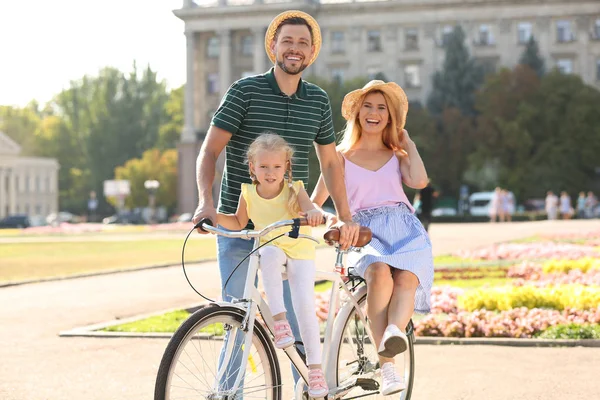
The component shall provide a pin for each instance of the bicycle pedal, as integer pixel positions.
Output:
(367, 384)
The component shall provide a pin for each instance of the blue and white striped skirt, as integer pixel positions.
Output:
(400, 241)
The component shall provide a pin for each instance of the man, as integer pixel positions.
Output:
(278, 101)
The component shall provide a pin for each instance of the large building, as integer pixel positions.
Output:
(403, 39)
(28, 185)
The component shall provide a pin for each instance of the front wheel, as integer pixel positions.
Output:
(356, 354)
(191, 363)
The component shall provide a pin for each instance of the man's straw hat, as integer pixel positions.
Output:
(353, 100)
(316, 32)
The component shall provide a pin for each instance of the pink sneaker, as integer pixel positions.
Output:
(283, 334)
(317, 387)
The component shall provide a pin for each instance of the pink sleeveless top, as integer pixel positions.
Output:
(371, 189)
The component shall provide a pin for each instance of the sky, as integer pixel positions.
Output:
(44, 44)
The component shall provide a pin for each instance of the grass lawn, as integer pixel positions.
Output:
(24, 261)
(168, 322)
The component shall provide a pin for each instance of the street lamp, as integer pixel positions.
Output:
(152, 186)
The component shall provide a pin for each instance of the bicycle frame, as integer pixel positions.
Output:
(252, 301)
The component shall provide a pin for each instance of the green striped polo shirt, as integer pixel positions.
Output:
(255, 105)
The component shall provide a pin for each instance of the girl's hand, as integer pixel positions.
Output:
(314, 217)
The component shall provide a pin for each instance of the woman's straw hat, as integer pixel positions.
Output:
(353, 100)
(316, 32)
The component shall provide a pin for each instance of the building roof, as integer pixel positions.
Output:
(8, 146)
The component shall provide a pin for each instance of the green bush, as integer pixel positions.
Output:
(571, 331)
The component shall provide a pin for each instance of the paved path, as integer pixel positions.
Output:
(37, 364)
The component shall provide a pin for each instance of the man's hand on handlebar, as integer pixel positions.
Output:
(204, 212)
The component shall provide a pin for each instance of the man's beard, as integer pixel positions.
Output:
(285, 69)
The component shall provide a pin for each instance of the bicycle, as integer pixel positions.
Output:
(247, 366)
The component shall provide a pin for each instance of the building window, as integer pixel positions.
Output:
(212, 48)
(598, 69)
(411, 39)
(412, 76)
(564, 31)
(38, 209)
(337, 42)
(374, 41)
(48, 185)
(596, 30)
(27, 188)
(213, 83)
(337, 75)
(484, 36)
(565, 65)
(524, 32)
(247, 45)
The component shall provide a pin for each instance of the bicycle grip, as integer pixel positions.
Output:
(206, 221)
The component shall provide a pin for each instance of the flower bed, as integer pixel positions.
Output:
(517, 323)
(563, 266)
(530, 251)
(561, 297)
(523, 300)
(533, 274)
(449, 274)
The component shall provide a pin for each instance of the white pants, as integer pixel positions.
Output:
(301, 274)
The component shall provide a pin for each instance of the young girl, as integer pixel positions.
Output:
(378, 156)
(274, 196)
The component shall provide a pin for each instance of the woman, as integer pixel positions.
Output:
(378, 156)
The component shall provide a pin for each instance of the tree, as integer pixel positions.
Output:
(153, 164)
(20, 125)
(380, 76)
(455, 85)
(109, 119)
(531, 57)
(170, 131)
(542, 134)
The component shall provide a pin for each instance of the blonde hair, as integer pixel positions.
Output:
(272, 142)
(392, 136)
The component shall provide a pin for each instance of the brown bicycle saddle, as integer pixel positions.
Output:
(364, 236)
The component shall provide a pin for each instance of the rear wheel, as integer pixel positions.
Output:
(357, 355)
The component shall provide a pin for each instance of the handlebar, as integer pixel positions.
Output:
(207, 226)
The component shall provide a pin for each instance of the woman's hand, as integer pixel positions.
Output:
(406, 140)
(314, 217)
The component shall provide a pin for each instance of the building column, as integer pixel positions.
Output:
(582, 34)
(545, 37)
(258, 60)
(357, 52)
(390, 47)
(3, 193)
(224, 61)
(13, 192)
(188, 135)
